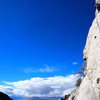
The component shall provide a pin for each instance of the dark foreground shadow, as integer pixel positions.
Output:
(4, 96)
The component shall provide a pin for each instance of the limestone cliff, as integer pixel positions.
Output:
(90, 86)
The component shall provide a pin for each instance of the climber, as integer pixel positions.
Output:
(97, 5)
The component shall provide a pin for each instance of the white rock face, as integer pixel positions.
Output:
(97, 1)
(90, 86)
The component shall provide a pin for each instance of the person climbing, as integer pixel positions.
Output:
(97, 5)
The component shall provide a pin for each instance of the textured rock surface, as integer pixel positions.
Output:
(90, 86)
(97, 1)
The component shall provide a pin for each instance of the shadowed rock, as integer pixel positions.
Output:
(4, 96)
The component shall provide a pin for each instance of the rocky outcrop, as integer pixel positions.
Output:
(89, 88)
(4, 96)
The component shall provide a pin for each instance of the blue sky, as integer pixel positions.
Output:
(37, 36)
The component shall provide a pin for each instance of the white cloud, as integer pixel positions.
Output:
(44, 69)
(74, 63)
(41, 87)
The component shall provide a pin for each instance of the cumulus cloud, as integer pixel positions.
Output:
(44, 69)
(41, 87)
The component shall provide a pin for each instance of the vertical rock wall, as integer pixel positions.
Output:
(90, 86)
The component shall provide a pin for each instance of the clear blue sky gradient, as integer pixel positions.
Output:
(38, 32)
